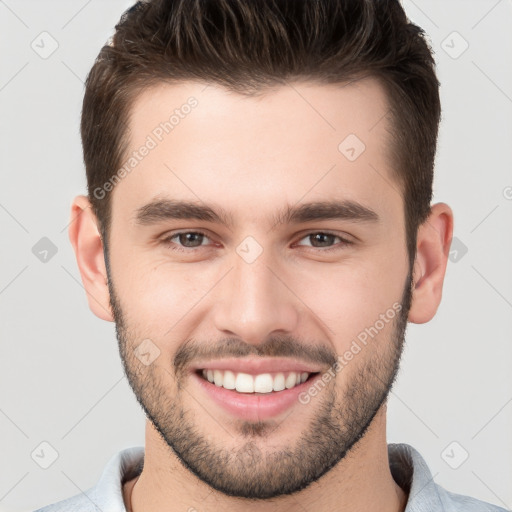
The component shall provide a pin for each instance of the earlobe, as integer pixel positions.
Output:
(432, 251)
(88, 246)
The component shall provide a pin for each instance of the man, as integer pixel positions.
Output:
(259, 227)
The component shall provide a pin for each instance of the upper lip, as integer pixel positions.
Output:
(256, 366)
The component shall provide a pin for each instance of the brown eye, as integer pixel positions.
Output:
(186, 240)
(321, 239)
(190, 239)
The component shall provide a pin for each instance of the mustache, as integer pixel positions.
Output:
(275, 346)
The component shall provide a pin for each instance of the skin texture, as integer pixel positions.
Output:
(252, 157)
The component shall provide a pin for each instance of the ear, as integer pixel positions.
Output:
(432, 251)
(88, 246)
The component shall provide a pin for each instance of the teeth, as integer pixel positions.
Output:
(262, 383)
(279, 382)
(291, 380)
(244, 383)
(229, 380)
(218, 378)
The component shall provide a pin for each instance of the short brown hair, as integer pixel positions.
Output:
(249, 45)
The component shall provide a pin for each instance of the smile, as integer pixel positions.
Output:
(260, 383)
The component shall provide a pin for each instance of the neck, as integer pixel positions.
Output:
(362, 481)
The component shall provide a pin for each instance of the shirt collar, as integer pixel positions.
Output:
(411, 473)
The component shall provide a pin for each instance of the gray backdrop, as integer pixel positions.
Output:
(65, 406)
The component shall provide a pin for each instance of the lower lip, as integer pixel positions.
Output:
(254, 406)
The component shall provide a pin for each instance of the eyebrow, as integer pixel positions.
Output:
(161, 210)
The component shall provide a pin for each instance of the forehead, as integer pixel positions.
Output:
(304, 109)
(302, 140)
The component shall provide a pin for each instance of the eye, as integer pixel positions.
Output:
(185, 239)
(188, 241)
(321, 239)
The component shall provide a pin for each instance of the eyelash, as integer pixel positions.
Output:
(173, 246)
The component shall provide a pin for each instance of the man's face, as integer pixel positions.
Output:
(265, 298)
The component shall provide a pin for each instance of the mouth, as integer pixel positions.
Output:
(254, 389)
(255, 399)
(262, 383)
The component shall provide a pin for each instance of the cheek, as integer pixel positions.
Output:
(159, 296)
(350, 298)
(362, 314)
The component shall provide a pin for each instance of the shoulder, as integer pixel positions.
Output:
(107, 494)
(452, 502)
(411, 472)
(77, 503)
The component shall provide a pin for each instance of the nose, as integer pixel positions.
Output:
(255, 301)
